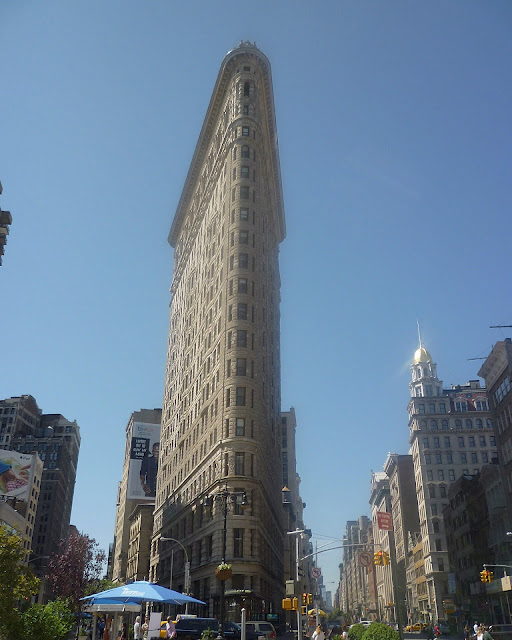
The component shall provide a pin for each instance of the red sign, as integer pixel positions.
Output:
(384, 521)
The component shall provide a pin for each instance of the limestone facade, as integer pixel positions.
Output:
(221, 408)
(451, 434)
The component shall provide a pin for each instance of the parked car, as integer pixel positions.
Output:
(192, 628)
(366, 623)
(417, 626)
(262, 628)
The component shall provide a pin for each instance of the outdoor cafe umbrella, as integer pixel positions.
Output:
(141, 591)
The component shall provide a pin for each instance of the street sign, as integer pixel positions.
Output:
(316, 572)
(365, 559)
(384, 521)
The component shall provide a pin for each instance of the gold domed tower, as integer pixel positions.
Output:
(424, 381)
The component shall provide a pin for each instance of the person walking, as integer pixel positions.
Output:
(318, 634)
(136, 629)
(170, 629)
(475, 628)
(467, 631)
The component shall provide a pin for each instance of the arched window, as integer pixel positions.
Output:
(479, 424)
(423, 424)
(433, 424)
(458, 424)
(488, 422)
(246, 89)
(469, 424)
(444, 424)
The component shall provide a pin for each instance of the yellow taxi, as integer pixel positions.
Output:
(417, 626)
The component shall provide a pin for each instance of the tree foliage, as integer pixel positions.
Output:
(17, 582)
(78, 562)
(380, 631)
(52, 621)
(356, 631)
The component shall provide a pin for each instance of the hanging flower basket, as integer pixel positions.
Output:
(223, 572)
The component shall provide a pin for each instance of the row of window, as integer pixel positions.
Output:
(447, 440)
(245, 193)
(243, 215)
(240, 397)
(502, 390)
(240, 368)
(245, 152)
(444, 424)
(460, 407)
(7, 410)
(463, 458)
(244, 173)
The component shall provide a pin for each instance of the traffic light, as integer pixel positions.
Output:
(377, 558)
(385, 558)
(304, 611)
(483, 576)
(295, 604)
(490, 576)
(310, 598)
(304, 598)
(287, 604)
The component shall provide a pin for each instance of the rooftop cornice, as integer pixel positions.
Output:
(245, 49)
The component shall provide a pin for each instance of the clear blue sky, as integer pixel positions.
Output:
(395, 141)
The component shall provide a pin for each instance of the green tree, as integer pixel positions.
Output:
(356, 631)
(17, 583)
(52, 621)
(380, 631)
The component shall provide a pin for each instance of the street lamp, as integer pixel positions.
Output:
(225, 498)
(297, 533)
(187, 567)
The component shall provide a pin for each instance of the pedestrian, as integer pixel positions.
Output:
(467, 631)
(318, 634)
(437, 632)
(475, 627)
(136, 629)
(430, 632)
(344, 632)
(170, 629)
(124, 632)
(145, 629)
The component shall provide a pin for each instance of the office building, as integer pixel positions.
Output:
(497, 372)
(404, 511)
(5, 223)
(56, 440)
(137, 488)
(221, 417)
(450, 435)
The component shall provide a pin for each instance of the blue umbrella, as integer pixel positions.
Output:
(141, 591)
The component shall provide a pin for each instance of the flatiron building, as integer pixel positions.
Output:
(221, 415)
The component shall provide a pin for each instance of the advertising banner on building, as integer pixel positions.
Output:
(143, 466)
(16, 471)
